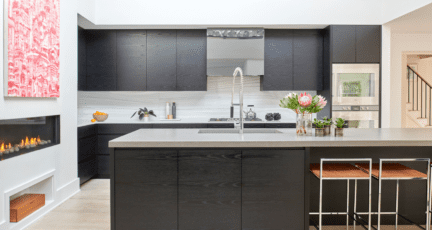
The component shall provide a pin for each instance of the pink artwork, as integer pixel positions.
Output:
(33, 48)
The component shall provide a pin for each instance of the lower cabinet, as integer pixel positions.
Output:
(87, 169)
(146, 189)
(209, 189)
(272, 189)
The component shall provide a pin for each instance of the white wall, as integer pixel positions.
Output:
(87, 8)
(63, 157)
(402, 45)
(425, 69)
(245, 12)
(393, 9)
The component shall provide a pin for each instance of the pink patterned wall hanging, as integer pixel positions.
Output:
(33, 28)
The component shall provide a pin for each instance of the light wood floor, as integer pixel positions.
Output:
(90, 209)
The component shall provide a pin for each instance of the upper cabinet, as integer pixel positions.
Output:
(140, 60)
(278, 60)
(161, 60)
(293, 60)
(101, 60)
(356, 43)
(131, 60)
(191, 60)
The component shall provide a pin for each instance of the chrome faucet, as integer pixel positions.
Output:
(236, 71)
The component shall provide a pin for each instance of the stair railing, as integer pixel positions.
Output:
(414, 80)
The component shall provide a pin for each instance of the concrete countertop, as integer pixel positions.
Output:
(86, 122)
(190, 138)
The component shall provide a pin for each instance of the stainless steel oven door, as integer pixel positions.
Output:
(355, 84)
(359, 119)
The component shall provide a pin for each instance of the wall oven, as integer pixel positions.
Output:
(355, 94)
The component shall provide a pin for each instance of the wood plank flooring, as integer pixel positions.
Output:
(90, 210)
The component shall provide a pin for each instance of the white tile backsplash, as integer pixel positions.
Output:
(215, 102)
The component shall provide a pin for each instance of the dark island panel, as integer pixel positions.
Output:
(145, 189)
(272, 189)
(209, 189)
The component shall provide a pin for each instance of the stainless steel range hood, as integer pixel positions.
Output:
(228, 49)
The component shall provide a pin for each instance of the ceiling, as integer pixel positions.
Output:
(418, 21)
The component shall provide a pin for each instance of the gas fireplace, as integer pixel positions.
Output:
(25, 135)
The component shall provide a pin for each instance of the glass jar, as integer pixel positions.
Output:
(304, 124)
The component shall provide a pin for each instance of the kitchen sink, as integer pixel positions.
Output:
(234, 131)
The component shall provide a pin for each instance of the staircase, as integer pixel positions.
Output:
(419, 105)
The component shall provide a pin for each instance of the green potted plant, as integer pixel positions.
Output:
(340, 122)
(319, 128)
(327, 125)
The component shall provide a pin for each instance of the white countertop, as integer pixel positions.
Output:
(153, 120)
(190, 138)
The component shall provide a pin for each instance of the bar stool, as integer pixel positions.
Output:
(396, 171)
(340, 171)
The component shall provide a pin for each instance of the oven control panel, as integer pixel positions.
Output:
(355, 108)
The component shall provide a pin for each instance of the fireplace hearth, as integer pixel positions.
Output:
(25, 135)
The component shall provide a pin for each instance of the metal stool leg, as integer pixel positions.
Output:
(379, 196)
(347, 215)
(428, 220)
(397, 203)
(355, 204)
(370, 195)
(320, 198)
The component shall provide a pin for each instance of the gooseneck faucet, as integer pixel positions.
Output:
(236, 71)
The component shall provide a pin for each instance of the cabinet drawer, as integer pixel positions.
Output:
(219, 126)
(280, 125)
(87, 169)
(87, 147)
(121, 128)
(255, 126)
(86, 131)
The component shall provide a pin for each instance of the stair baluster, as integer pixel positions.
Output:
(425, 104)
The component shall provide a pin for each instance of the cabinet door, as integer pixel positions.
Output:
(344, 43)
(273, 189)
(368, 44)
(81, 59)
(191, 60)
(161, 60)
(87, 147)
(101, 60)
(131, 60)
(103, 140)
(87, 169)
(145, 189)
(209, 189)
(308, 59)
(278, 60)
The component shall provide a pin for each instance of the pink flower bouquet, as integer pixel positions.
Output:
(303, 103)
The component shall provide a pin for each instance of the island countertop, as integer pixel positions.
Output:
(190, 138)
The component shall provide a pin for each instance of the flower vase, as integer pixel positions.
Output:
(304, 124)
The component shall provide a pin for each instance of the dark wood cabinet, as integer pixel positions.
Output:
(356, 43)
(293, 60)
(161, 60)
(101, 60)
(343, 43)
(278, 60)
(209, 189)
(191, 60)
(368, 44)
(280, 125)
(87, 169)
(81, 59)
(180, 126)
(146, 189)
(131, 60)
(254, 125)
(103, 140)
(273, 189)
(221, 126)
(308, 59)
(87, 147)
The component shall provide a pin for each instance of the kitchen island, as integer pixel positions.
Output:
(183, 179)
